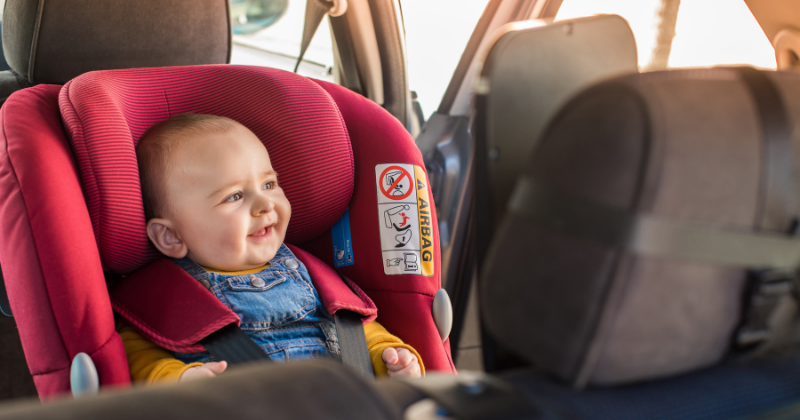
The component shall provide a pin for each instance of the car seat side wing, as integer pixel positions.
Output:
(333, 291)
(169, 307)
(52, 269)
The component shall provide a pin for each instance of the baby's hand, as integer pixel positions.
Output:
(208, 370)
(401, 362)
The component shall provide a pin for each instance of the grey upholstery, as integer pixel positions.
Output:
(307, 390)
(54, 41)
(530, 74)
(682, 145)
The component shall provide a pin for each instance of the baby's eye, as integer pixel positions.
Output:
(235, 197)
(268, 185)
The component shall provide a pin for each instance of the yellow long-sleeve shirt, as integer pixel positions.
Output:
(150, 363)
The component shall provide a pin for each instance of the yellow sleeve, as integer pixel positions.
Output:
(148, 362)
(378, 340)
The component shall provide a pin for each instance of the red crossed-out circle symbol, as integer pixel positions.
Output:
(387, 192)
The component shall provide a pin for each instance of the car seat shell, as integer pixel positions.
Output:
(73, 283)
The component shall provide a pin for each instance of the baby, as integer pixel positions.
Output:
(214, 205)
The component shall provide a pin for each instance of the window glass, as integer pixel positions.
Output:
(436, 34)
(268, 33)
(707, 32)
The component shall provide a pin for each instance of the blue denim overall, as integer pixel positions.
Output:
(279, 308)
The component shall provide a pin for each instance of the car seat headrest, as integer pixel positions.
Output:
(55, 41)
(592, 276)
(106, 112)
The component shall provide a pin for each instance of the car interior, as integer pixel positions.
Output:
(591, 237)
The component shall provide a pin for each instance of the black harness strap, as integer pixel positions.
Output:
(233, 345)
(352, 343)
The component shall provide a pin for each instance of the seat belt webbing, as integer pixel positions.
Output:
(233, 345)
(315, 12)
(352, 343)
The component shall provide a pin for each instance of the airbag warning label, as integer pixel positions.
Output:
(404, 214)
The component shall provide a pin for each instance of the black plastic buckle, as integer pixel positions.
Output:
(768, 289)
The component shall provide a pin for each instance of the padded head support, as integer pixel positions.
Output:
(55, 41)
(105, 113)
(682, 146)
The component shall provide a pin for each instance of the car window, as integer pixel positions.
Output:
(267, 33)
(706, 32)
(436, 34)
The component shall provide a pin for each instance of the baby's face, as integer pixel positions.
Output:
(226, 204)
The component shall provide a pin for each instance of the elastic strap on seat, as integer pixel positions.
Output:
(649, 235)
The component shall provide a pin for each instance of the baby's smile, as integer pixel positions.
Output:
(262, 234)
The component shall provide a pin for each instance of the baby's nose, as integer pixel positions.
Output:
(263, 206)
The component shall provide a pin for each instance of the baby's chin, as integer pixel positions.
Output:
(248, 263)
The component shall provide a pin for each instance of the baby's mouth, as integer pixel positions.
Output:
(265, 231)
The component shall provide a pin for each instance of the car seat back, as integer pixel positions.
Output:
(325, 142)
(54, 42)
(529, 74)
(657, 218)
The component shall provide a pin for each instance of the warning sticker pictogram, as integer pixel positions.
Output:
(404, 215)
(395, 183)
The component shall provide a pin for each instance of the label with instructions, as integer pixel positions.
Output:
(404, 215)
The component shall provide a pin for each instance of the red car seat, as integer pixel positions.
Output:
(73, 212)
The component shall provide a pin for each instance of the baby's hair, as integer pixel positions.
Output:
(159, 143)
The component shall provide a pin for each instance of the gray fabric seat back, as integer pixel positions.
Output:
(55, 41)
(531, 72)
(686, 147)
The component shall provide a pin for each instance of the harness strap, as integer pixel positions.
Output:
(233, 345)
(353, 343)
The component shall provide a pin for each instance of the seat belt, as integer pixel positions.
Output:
(352, 340)
(231, 344)
(353, 343)
(315, 12)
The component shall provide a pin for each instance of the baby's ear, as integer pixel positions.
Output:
(163, 235)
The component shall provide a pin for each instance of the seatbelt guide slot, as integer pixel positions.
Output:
(405, 219)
